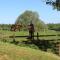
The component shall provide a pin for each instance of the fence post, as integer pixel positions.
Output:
(59, 49)
(14, 37)
(32, 35)
(37, 36)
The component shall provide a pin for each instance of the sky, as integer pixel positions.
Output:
(11, 9)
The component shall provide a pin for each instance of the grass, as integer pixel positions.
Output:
(13, 52)
(4, 35)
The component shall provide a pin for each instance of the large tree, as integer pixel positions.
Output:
(28, 16)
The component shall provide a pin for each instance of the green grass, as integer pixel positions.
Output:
(13, 52)
(49, 32)
(5, 35)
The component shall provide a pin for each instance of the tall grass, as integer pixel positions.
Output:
(13, 52)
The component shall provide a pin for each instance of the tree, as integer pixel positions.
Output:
(54, 3)
(28, 16)
(55, 27)
(5, 26)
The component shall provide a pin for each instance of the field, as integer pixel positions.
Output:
(13, 52)
(4, 35)
(10, 51)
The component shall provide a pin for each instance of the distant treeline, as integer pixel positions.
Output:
(55, 27)
(52, 26)
(5, 26)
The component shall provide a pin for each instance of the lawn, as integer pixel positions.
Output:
(5, 35)
(13, 52)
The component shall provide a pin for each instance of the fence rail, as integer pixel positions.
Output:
(34, 36)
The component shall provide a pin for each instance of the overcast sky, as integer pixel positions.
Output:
(11, 9)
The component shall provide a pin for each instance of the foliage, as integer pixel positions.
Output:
(54, 26)
(28, 16)
(54, 3)
(5, 26)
